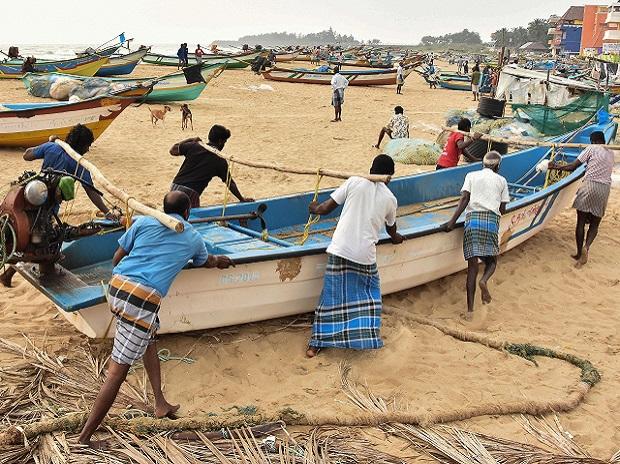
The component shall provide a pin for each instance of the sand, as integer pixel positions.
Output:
(539, 297)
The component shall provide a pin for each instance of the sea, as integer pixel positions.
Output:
(67, 51)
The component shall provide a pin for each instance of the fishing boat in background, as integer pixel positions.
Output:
(239, 61)
(84, 66)
(360, 77)
(123, 64)
(105, 49)
(286, 56)
(169, 88)
(276, 276)
(30, 124)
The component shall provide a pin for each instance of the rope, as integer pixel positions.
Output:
(312, 219)
(128, 213)
(548, 174)
(228, 181)
(164, 355)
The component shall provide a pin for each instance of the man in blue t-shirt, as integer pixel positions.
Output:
(80, 138)
(147, 261)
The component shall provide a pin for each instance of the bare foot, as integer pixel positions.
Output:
(375, 146)
(576, 256)
(96, 444)
(166, 410)
(583, 260)
(334, 120)
(312, 351)
(468, 316)
(484, 291)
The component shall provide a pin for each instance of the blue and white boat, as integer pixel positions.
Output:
(122, 65)
(280, 277)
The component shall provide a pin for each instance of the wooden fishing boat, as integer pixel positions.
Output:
(239, 61)
(361, 64)
(85, 66)
(30, 124)
(454, 84)
(283, 57)
(363, 77)
(279, 277)
(108, 51)
(169, 88)
(123, 64)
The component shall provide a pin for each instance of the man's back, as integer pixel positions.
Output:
(157, 254)
(368, 207)
(54, 157)
(487, 190)
(199, 167)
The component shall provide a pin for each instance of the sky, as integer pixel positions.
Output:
(172, 21)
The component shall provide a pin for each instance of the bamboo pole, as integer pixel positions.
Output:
(113, 190)
(303, 171)
(528, 143)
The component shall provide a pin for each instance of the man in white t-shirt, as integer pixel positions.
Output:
(349, 312)
(484, 195)
(339, 84)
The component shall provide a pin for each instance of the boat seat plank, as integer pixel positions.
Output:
(222, 239)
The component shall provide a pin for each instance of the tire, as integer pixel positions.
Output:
(491, 108)
(480, 148)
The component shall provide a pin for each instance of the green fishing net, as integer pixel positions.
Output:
(556, 121)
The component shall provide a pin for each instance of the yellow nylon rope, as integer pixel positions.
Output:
(312, 219)
(228, 181)
(128, 213)
(551, 159)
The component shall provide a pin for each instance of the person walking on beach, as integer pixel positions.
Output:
(180, 56)
(593, 194)
(456, 145)
(339, 84)
(148, 259)
(400, 78)
(348, 314)
(484, 195)
(476, 76)
(201, 166)
(397, 128)
(199, 53)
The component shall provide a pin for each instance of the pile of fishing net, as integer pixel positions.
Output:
(500, 127)
(64, 88)
(413, 151)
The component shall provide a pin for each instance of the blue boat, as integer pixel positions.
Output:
(123, 64)
(278, 276)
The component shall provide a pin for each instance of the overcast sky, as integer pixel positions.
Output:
(172, 21)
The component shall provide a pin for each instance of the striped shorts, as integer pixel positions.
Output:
(194, 196)
(135, 307)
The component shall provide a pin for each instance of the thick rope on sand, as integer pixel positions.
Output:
(145, 425)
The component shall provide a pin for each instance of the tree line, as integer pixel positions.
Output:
(326, 37)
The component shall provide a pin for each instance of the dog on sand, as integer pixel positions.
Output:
(158, 114)
(186, 116)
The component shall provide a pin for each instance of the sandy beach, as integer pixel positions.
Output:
(539, 297)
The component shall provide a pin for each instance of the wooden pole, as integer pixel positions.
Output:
(529, 143)
(302, 171)
(128, 200)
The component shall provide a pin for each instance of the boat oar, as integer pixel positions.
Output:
(258, 214)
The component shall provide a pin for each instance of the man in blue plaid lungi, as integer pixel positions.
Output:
(349, 311)
(484, 195)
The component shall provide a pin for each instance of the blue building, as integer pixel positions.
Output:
(566, 35)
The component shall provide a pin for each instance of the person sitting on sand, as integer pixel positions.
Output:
(339, 83)
(349, 311)
(485, 195)
(456, 145)
(397, 128)
(149, 257)
(593, 195)
(201, 165)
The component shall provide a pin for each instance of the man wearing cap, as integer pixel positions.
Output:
(484, 197)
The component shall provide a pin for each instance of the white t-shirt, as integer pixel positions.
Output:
(339, 82)
(487, 190)
(368, 207)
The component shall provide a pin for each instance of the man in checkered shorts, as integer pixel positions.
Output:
(147, 261)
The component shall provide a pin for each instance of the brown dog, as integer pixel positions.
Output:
(186, 115)
(159, 114)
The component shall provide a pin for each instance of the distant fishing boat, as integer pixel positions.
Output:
(84, 66)
(286, 56)
(239, 61)
(278, 277)
(169, 88)
(307, 76)
(29, 124)
(123, 64)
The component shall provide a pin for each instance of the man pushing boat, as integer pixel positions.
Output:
(485, 195)
(349, 311)
(147, 261)
(201, 166)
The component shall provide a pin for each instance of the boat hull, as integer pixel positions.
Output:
(233, 61)
(122, 65)
(30, 127)
(355, 78)
(272, 289)
(77, 67)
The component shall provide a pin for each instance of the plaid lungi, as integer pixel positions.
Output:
(592, 197)
(135, 307)
(338, 97)
(194, 196)
(481, 235)
(349, 312)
